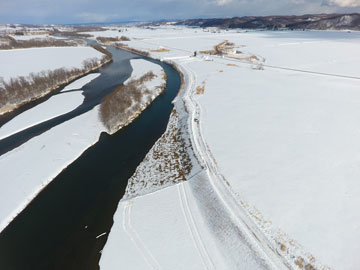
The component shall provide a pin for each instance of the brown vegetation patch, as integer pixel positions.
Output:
(161, 50)
(107, 40)
(127, 48)
(102, 50)
(118, 108)
(254, 58)
(176, 161)
(299, 262)
(220, 48)
(167, 163)
(200, 89)
(221, 71)
(232, 65)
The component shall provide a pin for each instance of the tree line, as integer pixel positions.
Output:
(23, 89)
(9, 43)
(124, 102)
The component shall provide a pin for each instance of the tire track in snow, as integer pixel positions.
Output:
(206, 260)
(135, 238)
(221, 187)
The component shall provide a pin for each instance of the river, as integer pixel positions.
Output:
(59, 228)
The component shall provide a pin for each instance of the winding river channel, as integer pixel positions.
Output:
(59, 228)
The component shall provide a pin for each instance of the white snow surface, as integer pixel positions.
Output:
(80, 83)
(168, 230)
(285, 140)
(22, 62)
(141, 67)
(40, 36)
(27, 169)
(56, 105)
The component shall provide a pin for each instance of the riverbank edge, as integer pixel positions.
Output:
(6, 222)
(260, 242)
(143, 106)
(12, 107)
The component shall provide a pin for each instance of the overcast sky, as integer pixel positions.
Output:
(85, 11)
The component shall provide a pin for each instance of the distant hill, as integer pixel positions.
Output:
(318, 21)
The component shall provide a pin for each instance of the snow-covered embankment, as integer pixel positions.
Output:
(280, 145)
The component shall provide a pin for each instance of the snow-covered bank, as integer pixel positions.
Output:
(55, 106)
(22, 62)
(170, 161)
(26, 170)
(19, 86)
(125, 104)
(280, 146)
(80, 83)
(168, 230)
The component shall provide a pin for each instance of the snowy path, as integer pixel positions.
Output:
(190, 221)
(133, 235)
(218, 182)
(284, 155)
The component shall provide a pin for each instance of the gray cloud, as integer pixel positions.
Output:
(343, 3)
(79, 11)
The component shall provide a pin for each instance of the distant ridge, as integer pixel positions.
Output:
(313, 21)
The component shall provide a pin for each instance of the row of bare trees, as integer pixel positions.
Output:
(9, 43)
(20, 90)
(106, 40)
(124, 102)
(127, 48)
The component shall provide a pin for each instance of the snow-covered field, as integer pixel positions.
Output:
(22, 62)
(39, 36)
(280, 145)
(27, 169)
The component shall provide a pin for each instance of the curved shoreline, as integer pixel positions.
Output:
(78, 205)
(225, 198)
(93, 116)
(237, 215)
(11, 108)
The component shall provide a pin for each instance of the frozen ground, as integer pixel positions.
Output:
(280, 146)
(27, 169)
(22, 62)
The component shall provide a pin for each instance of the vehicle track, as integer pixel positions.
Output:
(135, 238)
(258, 241)
(190, 221)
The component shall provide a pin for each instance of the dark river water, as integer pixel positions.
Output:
(58, 229)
